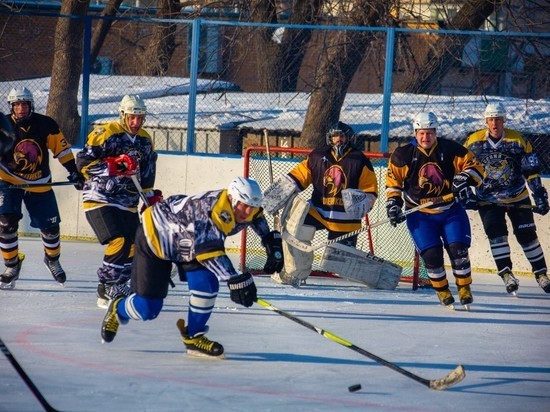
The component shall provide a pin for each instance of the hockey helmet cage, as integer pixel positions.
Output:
(20, 94)
(246, 191)
(341, 128)
(425, 120)
(495, 110)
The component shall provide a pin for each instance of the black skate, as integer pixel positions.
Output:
(510, 282)
(199, 345)
(11, 274)
(56, 270)
(108, 292)
(111, 321)
(544, 282)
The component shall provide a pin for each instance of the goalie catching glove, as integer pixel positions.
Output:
(393, 210)
(273, 244)
(357, 203)
(242, 289)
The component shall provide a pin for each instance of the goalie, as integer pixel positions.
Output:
(344, 191)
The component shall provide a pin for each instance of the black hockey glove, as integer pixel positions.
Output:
(393, 209)
(242, 289)
(541, 201)
(462, 191)
(274, 248)
(76, 178)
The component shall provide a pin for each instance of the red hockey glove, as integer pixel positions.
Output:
(123, 165)
(153, 197)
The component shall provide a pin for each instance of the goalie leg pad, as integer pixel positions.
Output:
(297, 263)
(360, 266)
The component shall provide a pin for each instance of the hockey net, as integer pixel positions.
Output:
(390, 243)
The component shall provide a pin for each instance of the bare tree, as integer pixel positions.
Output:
(471, 16)
(102, 28)
(156, 57)
(67, 67)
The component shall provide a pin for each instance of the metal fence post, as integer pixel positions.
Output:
(193, 78)
(386, 100)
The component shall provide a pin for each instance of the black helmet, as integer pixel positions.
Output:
(339, 129)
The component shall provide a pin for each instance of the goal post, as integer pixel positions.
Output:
(390, 243)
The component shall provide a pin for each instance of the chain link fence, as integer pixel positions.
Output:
(211, 99)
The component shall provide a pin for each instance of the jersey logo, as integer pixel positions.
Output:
(498, 169)
(27, 155)
(431, 179)
(334, 180)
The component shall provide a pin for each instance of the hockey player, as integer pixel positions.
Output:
(510, 163)
(344, 191)
(425, 170)
(28, 162)
(113, 155)
(191, 232)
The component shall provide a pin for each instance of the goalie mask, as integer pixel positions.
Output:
(340, 136)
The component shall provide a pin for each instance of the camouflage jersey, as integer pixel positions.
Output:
(509, 162)
(194, 228)
(29, 160)
(112, 140)
(329, 176)
(422, 176)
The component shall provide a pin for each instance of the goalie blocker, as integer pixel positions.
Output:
(359, 266)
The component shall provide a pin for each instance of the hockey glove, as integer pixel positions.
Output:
(393, 209)
(153, 197)
(541, 201)
(76, 178)
(123, 165)
(274, 248)
(461, 187)
(242, 289)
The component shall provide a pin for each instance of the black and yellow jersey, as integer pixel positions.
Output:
(112, 140)
(329, 176)
(422, 176)
(187, 228)
(29, 160)
(509, 162)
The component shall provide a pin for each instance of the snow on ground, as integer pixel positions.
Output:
(273, 364)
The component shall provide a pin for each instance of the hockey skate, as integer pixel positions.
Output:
(283, 278)
(544, 282)
(111, 321)
(56, 270)
(11, 274)
(108, 292)
(446, 298)
(199, 345)
(510, 282)
(465, 296)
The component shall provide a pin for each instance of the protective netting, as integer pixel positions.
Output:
(385, 241)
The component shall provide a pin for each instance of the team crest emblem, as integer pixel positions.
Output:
(225, 216)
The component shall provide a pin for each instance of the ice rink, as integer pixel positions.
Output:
(272, 363)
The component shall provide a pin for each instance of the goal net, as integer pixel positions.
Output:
(385, 241)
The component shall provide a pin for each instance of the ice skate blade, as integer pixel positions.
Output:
(466, 307)
(514, 293)
(449, 307)
(198, 354)
(7, 286)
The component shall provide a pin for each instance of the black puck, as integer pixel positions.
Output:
(354, 388)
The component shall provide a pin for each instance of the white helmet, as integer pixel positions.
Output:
(21, 94)
(246, 191)
(495, 110)
(131, 104)
(425, 120)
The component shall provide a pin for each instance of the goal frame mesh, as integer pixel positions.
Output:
(390, 243)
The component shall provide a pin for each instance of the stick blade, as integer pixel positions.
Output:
(457, 375)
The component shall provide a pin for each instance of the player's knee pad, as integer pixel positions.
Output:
(458, 254)
(526, 236)
(141, 308)
(9, 224)
(51, 232)
(433, 258)
(119, 246)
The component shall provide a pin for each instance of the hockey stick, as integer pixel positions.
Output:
(45, 404)
(27, 185)
(304, 247)
(440, 384)
(276, 221)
